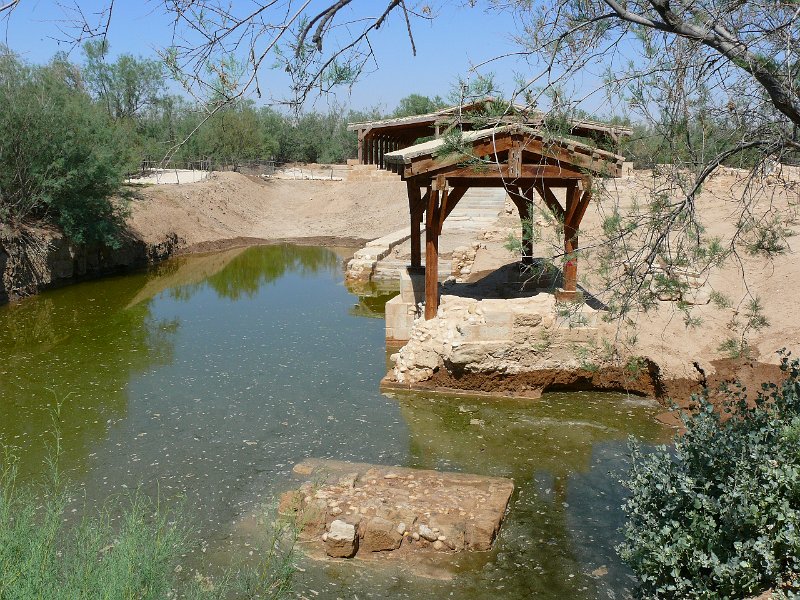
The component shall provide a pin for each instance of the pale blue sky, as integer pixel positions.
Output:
(446, 48)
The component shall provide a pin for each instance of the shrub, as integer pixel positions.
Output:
(61, 159)
(718, 514)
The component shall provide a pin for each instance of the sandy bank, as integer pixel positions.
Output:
(227, 210)
(234, 209)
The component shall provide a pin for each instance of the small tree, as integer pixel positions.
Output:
(417, 104)
(60, 158)
(126, 87)
(233, 134)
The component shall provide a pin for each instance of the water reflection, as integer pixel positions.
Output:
(210, 376)
(249, 271)
(78, 347)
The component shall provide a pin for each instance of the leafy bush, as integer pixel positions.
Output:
(718, 514)
(60, 159)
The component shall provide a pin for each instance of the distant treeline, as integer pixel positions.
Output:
(69, 133)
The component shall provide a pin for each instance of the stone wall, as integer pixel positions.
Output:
(502, 336)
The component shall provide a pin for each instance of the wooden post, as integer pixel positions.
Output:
(432, 248)
(523, 200)
(515, 158)
(525, 208)
(416, 207)
(571, 243)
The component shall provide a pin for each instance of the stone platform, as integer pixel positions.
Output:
(356, 509)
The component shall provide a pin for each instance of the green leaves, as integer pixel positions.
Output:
(60, 157)
(718, 514)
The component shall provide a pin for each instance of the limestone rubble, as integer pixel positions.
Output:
(362, 509)
(508, 336)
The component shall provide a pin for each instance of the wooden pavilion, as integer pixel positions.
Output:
(515, 154)
(378, 138)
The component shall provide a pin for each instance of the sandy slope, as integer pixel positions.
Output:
(231, 205)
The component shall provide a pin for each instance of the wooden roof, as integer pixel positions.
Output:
(510, 151)
(423, 125)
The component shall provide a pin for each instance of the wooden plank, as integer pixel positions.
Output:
(432, 256)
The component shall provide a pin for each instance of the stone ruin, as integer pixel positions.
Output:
(352, 509)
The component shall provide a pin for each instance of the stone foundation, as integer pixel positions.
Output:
(362, 266)
(402, 310)
(360, 509)
(502, 336)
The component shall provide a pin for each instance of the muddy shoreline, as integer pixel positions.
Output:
(34, 259)
(749, 373)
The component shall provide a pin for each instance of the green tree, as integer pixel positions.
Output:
(126, 87)
(417, 104)
(61, 159)
(233, 134)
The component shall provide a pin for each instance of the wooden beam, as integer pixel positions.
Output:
(432, 256)
(549, 199)
(584, 204)
(571, 156)
(573, 198)
(452, 199)
(424, 164)
(504, 172)
(444, 208)
(499, 182)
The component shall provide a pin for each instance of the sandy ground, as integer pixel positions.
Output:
(231, 206)
(661, 333)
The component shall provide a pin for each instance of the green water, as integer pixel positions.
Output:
(210, 376)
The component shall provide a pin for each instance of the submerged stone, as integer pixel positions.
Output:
(398, 509)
